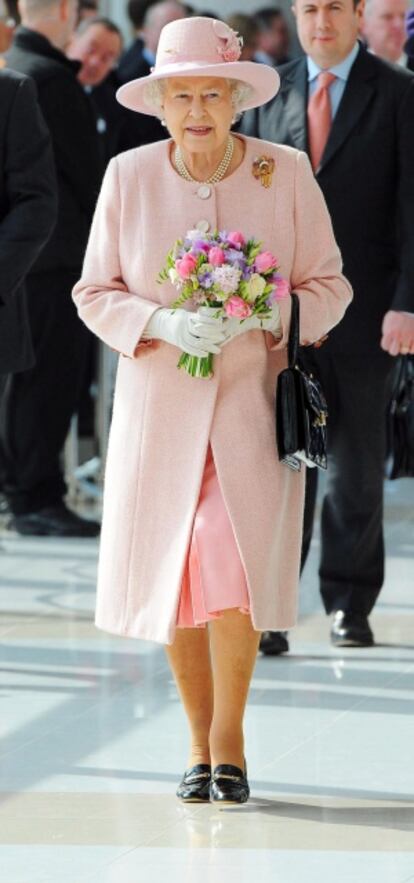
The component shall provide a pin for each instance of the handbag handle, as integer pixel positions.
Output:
(293, 342)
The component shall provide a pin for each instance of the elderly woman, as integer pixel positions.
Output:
(201, 531)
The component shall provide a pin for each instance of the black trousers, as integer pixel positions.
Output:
(38, 404)
(352, 545)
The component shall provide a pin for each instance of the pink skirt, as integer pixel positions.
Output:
(214, 579)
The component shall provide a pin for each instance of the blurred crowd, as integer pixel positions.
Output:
(61, 64)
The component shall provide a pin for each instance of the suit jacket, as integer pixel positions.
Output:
(367, 177)
(70, 120)
(137, 128)
(27, 210)
(132, 64)
(109, 118)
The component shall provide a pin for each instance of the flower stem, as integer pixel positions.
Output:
(197, 366)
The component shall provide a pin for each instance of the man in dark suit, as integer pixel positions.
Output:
(27, 213)
(409, 46)
(97, 45)
(40, 402)
(140, 128)
(384, 31)
(365, 171)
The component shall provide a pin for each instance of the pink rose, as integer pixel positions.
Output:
(185, 266)
(265, 261)
(216, 256)
(282, 287)
(237, 308)
(236, 239)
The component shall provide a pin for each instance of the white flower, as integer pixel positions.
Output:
(255, 287)
(175, 278)
(227, 279)
(199, 296)
(193, 235)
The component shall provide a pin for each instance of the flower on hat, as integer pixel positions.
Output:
(231, 45)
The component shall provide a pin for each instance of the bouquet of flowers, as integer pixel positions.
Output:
(224, 271)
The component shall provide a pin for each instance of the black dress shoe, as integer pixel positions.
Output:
(274, 643)
(195, 784)
(351, 630)
(229, 784)
(54, 521)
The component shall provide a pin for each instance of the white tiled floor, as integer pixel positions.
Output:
(94, 741)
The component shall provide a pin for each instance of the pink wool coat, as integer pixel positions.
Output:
(163, 419)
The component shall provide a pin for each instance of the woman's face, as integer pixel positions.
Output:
(198, 112)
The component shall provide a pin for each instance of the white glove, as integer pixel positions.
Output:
(192, 333)
(232, 327)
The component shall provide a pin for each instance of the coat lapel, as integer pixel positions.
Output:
(357, 95)
(294, 96)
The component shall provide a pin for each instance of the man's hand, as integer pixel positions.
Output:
(398, 333)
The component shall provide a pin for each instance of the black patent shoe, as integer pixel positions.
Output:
(351, 629)
(274, 643)
(195, 784)
(229, 784)
(54, 521)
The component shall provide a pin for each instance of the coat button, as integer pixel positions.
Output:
(204, 191)
(203, 226)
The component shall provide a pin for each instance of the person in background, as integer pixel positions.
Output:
(7, 25)
(88, 9)
(148, 19)
(247, 29)
(9, 14)
(136, 10)
(39, 403)
(97, 45)
(139, 129)
(273, 36)
(409, 46)
(354, 114)
(28, 210)
(383, 28)
(398, 333)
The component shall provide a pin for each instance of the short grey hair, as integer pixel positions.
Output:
(155, 90)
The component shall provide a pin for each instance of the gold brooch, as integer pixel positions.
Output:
(263, 168)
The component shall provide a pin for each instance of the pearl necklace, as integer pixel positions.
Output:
(216, 176)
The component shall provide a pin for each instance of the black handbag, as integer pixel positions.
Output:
(400, 422)
(301, 410)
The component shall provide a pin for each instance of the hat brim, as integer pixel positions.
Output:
(263, 79)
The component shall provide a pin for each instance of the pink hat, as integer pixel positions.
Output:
(201, 47)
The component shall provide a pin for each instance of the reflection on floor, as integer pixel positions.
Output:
(93, 740)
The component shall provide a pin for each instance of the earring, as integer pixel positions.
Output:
(163, 123)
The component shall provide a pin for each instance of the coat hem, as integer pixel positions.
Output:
(136, 634)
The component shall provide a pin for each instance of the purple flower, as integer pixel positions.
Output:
(199, 247)
(205, 279)
(233, 256)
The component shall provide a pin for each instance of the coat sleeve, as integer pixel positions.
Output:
(30, 187)
(404, 293)
(105, 305)
(316, 275)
